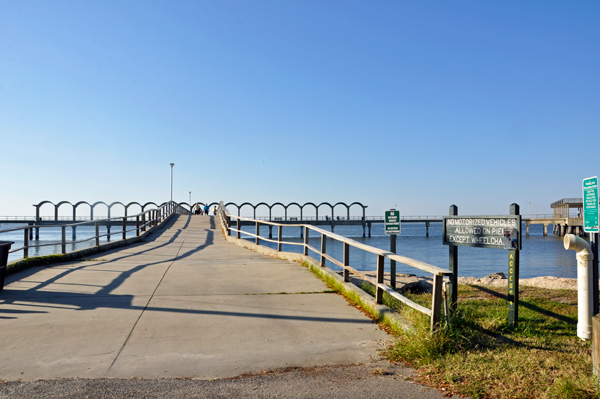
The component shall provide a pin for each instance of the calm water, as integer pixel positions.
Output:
(49, 235)
(541, 256)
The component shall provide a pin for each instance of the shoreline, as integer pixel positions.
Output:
(412, 281)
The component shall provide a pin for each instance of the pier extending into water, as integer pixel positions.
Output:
(181, 303)
(561, 220)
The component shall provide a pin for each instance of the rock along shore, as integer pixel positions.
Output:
(423, 283)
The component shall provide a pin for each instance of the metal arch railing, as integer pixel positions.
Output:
(438, 273)
(143, 221)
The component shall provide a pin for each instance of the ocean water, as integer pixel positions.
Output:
(51, 235)
(540, 256)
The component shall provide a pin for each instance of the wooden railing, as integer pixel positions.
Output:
(438, 273)
(143, 221)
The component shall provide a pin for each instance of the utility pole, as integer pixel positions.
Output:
(172, 164)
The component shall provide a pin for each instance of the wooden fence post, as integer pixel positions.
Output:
(63, 234)
(306, 229)
(279, 230)
(346, 261)
(436, 301)
(124, 228)
(137, 225)
(323, 248)
(97, 225)
(26, 244)
(257, 241)
(380, 270)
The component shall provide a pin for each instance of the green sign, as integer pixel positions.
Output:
(483, 231)
(392, 222)
(590, 204)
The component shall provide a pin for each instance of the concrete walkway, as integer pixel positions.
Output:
(183, 303)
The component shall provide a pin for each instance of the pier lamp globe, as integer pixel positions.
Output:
(172, 164)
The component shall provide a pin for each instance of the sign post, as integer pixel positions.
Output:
(513, 275)
(392, 227)
(590, 225)
(453, 266)
(502, 232)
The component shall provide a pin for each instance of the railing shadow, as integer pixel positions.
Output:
(530, 306)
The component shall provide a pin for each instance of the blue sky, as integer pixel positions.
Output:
(413, 104)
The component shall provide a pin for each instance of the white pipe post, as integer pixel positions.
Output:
(172, 164)
(585, 305)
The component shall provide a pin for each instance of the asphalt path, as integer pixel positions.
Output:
(374, 380)
(187, 314)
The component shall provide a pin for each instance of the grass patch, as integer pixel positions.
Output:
(37, 261)
(478, 354)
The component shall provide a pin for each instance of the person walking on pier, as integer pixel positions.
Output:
(206, 209)
(215, 210)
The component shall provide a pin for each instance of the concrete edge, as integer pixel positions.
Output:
(47, 260)
(381, 311)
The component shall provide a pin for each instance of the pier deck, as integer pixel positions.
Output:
(183, 303)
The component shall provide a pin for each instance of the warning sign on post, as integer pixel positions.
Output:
(392, 222)
(483, 231)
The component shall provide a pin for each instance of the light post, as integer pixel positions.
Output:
(530, 210)
(190, 200)
(172, 164)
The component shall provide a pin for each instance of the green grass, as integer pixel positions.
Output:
(480, 355)
(37, 261)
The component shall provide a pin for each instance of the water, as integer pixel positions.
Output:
(52, 235)
(540, 256)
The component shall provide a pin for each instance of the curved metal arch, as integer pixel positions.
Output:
(234, 204)
(148, 203)
(259, 204)
(293, 203)
(341, 203)
(356, 203)
(310, 203)
(347, 210)
(242, 205)
(133, 203)
(314, 206)
(96, 204)
(77, 205)
(273, 206)
(326, 203)
(45, 202)
(330, 206)
(359, 204)
(57, 206)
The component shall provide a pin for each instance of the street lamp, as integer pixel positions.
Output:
(190, 200)
(172, 164)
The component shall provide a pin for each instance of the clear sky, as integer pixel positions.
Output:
(413, 104)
